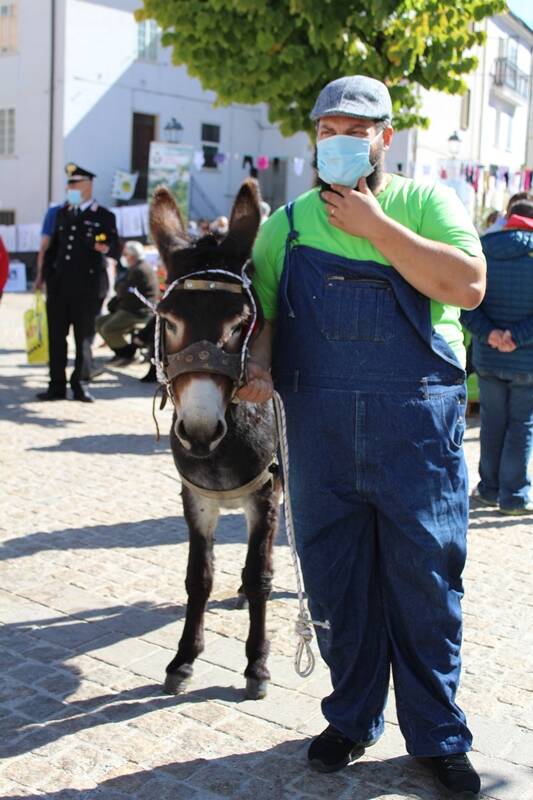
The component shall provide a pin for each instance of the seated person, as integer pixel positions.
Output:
(127, 312)
(219, 228)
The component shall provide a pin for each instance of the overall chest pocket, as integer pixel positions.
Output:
(357, 309)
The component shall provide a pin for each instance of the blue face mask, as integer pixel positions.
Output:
(74, 197)
(344, 159)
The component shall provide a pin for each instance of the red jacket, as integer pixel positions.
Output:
(4, 265)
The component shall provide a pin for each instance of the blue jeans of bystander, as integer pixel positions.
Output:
(506, 409)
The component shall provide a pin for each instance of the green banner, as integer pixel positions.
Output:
(170, 165)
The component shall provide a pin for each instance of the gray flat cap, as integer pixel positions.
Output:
(354, 96)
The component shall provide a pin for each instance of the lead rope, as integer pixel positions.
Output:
(304, 623)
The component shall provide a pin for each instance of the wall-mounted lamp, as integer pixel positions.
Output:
(454, 144)
(173, 131)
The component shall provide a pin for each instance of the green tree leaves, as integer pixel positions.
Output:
(282, 52)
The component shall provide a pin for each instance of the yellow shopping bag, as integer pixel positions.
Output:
(36, 329)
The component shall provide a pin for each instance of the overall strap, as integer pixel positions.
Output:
(291, 240)
(293, 233)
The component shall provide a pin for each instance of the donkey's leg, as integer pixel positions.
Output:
(262, 514)
(202, 516)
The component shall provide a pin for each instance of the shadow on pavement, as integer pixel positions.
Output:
(135, 444)
(275, 773)
(111, 386)
(170, 530)
(491, 518)
(38, 678)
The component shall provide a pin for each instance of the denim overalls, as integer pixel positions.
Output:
(375, 403)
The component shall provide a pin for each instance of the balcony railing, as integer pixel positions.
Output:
(509, 76)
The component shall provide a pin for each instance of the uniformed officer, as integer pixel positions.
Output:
(76, 280)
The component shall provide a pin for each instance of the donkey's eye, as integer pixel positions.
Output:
(171, 327)
(237, 329)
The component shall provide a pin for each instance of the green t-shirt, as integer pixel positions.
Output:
(432, 210)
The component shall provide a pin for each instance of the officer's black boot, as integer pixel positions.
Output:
(81, 394)
(52, 393)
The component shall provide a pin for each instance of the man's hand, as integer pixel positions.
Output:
(357, 213)
(495, 338)
(501, 340)
(259, 387)
(507, 345)
(39, 283)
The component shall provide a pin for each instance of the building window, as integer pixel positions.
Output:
(465, 111)
(496, 127)
(147, 36)
(8, 27)
(210, 144)
(507, 131)
(7, 131)
(7, 217)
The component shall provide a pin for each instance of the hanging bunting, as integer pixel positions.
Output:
(220, 158)
(298, 165)
(198, 159)
(263, 162)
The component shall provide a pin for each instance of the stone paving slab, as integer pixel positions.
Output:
(92, 598)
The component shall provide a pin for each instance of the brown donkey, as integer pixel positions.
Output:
(222, 449)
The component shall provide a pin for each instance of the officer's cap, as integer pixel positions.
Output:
(76, 173)
(354, 96)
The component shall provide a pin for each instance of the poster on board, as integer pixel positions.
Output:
(170, 165)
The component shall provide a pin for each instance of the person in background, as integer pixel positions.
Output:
(496, 221)
(192, 229)
(75, 274)
(219, 228)
(126, 311)
(46, 236)
(502, 330)
(203, 227)
(4, 266)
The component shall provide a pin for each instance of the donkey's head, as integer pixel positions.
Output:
(210, 309)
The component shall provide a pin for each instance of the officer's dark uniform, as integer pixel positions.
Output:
(76, 283)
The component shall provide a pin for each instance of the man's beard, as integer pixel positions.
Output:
(376, 158)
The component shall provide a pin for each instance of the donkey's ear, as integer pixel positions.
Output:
(244, 221)
(166, 224)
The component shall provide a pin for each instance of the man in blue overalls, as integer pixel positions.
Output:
(362, 280)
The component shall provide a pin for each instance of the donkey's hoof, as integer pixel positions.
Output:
(241, 601)
(176, 684)
(255, 689)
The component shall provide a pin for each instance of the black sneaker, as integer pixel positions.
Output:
(331, 751)
(456, 775)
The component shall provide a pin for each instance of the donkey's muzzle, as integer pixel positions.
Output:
(199, 439)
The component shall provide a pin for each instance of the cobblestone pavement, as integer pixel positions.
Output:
(92, 597)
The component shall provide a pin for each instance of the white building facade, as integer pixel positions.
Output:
(493, 155)
(82, 81)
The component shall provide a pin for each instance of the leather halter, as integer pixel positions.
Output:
(205, 356)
